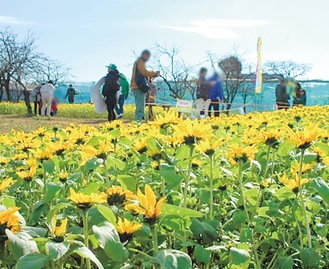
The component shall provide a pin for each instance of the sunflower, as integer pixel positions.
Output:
(28, 174)
(294, 182)
(126, 228)
(147, 205)
(42, 154)
(3, 160)
(9, 219)
(208, 147)
(116, 195)
(4, 184)
(58, 232)
(302, 139)
(271, 137)
(241, 153)
(164, 121)
(84, 201)
(63, 176)
(140, 146)
(190, 132)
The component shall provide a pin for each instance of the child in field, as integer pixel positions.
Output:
(54, 107)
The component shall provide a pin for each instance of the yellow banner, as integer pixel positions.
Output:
(259, 74)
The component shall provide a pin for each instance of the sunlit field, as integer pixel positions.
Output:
(240, 191)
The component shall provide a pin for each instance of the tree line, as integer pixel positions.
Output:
(22, 65)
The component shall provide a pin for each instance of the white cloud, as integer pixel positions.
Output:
(12, 20)
(217, 29)
(210, 32)
(229, 23)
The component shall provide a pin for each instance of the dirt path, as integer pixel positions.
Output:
(19, 122)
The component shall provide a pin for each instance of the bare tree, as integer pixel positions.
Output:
(175, 73)
(232, 67)
(15, 57)
(287, 69)
(47, 69)
(246, 89)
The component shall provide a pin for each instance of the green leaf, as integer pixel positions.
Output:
(36, 231)
(286, 263)
(55, 209)
(20, 244)
(57, 250)
(170, 175)
(168, 209)
(173, 259)
(92, 164)
(32, 261)
(106, 233)
(245, 235)
(128, 182)
(239, 256)
(117, 162)
(36, 212)
(86, 253)
(201, 254)
(323, 189)
(8, 202)
(285, 148)
(285, 193)
(107, 213)
(239, 217)
(92, 187)
(309, 257)
(252, 196)
(52, 190)
(116, 251)
(48, 166)
(203, 231)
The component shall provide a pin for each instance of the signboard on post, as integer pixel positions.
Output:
(184, 106)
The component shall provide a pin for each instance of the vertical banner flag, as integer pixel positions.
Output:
(259, 75)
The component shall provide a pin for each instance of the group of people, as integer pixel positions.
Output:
(45, 103)
(285, 89)
(115, 88)
(210, 88)
(44, 100)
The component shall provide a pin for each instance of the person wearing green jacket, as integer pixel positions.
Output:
(122, 95)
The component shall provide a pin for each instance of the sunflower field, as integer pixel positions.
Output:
(240, 191)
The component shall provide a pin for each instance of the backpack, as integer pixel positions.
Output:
(111, 85)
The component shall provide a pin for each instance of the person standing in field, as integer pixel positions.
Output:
(299, 95)
(35, 98)
(47, 93)
(123, 95)
(70, 93)
(215, 94)
(139, 85)
(202, 89)
(110, 88)
(281, 94)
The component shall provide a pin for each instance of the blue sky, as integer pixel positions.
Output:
(87, 35)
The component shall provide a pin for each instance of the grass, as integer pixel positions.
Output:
(14, 116)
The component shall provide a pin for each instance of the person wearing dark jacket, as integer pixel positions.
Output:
(299, 95)
(281, 94)
(110, 89)
(71, 92)
(215, 94)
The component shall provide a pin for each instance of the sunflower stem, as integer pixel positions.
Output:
(301, 198)
(106, 174)
(155, 238)
(86, 234)
(211, 199)
(253, 243)
(188, 177)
